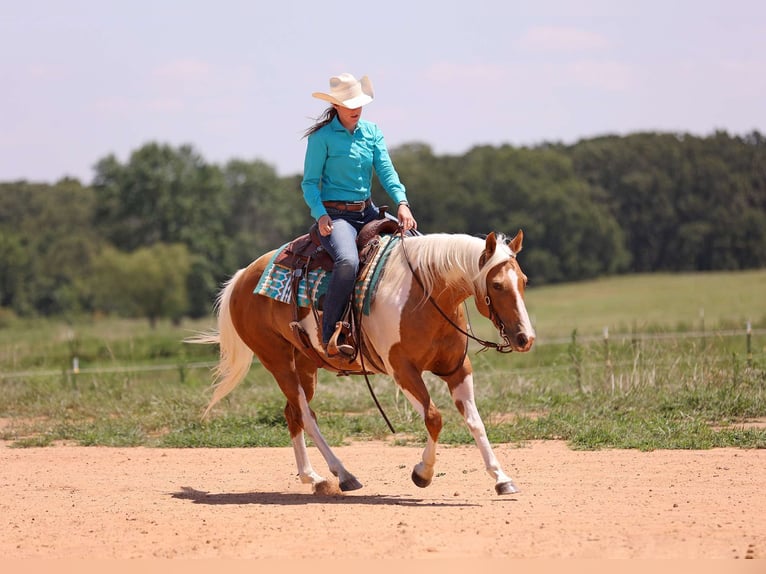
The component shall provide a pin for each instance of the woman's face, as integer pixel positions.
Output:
(349, 118)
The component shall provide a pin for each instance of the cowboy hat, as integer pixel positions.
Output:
(347, 91)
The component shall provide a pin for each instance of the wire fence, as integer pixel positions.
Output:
(621, 338)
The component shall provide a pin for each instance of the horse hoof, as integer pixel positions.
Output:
(419, 480)
(506, 488)
(350, 484)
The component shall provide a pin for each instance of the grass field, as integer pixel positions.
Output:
(674, 373)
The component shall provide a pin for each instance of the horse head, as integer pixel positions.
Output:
(503, 296)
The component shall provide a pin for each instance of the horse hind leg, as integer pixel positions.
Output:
(346, 480)
(306, 472)
(298, 386)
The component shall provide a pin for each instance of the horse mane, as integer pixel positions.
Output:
(452, 259)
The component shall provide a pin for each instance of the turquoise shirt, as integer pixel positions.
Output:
(339, 164)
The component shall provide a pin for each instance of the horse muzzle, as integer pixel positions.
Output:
(521, 341)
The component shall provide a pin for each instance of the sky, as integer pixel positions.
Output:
(81, 80)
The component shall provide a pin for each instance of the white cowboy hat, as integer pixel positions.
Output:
(347, 91)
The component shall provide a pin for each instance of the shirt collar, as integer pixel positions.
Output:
(338, 127)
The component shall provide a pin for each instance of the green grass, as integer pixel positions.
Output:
(650, 303)
(139, 386)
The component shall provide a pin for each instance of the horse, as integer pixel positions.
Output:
(416, 323)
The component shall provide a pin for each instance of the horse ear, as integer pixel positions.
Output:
(516, 242)
(489, 249)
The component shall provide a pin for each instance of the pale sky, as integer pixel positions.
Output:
(82, 79)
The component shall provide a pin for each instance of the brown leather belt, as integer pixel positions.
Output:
(348, 205)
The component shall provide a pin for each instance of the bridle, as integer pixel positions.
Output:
(504, 347)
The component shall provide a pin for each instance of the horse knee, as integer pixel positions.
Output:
(294, 419)
(433, 420)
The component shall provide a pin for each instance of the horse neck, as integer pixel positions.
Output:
(446, 265)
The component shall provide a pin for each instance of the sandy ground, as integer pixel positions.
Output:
(72, 503)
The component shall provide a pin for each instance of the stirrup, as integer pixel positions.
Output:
(343, 332)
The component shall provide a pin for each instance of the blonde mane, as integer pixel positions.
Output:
(448, 259)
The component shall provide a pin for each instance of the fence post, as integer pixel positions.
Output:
(74, 347)
(575, 355)
(608, 360)
(182, 372)
(749, 345)
(705, 361)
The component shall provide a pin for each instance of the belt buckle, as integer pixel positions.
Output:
(357, 205)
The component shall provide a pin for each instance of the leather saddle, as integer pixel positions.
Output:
(306, 252)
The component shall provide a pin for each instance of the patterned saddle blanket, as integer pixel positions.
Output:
(277, 281)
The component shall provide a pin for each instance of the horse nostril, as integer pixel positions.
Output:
(522, 340)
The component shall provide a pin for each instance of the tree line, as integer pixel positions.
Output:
(155, 236)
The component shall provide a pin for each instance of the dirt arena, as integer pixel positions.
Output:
(71, 502)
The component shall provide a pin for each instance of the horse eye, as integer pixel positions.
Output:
(497, 286)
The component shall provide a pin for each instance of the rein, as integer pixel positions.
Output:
(505, 347)
(360, 347)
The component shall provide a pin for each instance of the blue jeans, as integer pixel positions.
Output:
(341, 246)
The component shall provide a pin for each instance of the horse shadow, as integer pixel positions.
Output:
(293, 499)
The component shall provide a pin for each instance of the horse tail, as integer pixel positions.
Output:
(235, 356)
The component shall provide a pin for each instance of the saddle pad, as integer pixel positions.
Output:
(277, 280)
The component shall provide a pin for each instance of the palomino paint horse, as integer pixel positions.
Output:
(416, 324)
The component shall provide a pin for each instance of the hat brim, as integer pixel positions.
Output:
(353, 103)
(362, 99)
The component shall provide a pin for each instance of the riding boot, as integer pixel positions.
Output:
(339, 343)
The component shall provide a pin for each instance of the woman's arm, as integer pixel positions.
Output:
(313, 167)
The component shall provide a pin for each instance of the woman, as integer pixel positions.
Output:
(341, 153)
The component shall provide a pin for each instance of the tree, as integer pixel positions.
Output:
(571, 235)
(438, 200)
(643, 202)
(149, 282)
(14, 274)
(265, 211)
(167, 195)
(47, 242)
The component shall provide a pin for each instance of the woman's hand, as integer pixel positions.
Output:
(406, 220)
(325, 225)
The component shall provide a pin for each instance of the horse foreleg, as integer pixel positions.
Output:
(463, 397)
(423, 472)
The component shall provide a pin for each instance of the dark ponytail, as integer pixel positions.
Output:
(327, 116)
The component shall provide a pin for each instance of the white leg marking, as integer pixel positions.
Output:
(305, 470)
(463, 393)
(415, 403)
(310, 426)
(425, 468)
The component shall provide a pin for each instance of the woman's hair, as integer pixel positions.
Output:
(327, 116)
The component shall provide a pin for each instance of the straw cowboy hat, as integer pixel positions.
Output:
(347, 91)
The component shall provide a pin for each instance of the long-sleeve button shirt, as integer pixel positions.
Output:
(339, 164)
